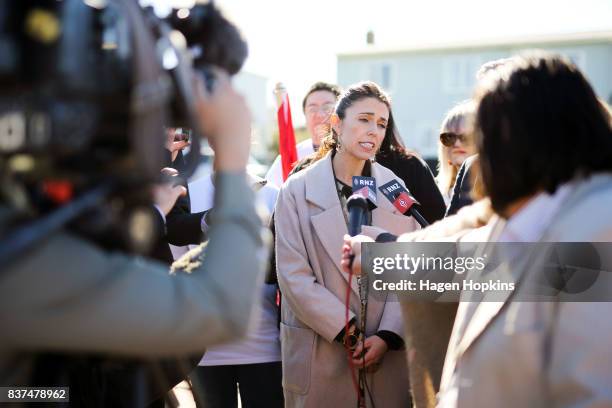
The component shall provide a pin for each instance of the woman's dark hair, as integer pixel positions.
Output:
(538, 125)
(391, 142)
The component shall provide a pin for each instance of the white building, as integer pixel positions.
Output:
(426, 81)
(257, 90)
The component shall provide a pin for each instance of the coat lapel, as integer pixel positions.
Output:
(330, 228)
(486, 311)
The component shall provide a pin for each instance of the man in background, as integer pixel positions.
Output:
(318, 105)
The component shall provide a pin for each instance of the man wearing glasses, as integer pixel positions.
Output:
(318, 105)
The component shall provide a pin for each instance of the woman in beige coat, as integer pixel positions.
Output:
(310, 225)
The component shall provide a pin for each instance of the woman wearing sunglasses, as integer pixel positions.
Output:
(455, 145)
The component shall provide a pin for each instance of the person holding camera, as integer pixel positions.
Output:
(71, 294)
(179, 225)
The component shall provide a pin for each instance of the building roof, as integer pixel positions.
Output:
(587, 37)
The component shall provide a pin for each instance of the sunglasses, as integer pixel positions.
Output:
(448, 139)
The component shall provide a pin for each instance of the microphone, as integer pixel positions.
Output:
(357, 208)
(403, 201)
(366, 187)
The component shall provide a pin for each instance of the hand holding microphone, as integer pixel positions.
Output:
(401, 199)
(351, 253)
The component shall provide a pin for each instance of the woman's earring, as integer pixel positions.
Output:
(338, 144)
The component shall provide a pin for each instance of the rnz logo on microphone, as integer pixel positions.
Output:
(365, 187)
(397, 195)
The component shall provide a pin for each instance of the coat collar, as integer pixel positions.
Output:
(321, 186)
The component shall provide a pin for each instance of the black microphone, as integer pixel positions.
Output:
(357, 208)
(403, 201)
(366, 187)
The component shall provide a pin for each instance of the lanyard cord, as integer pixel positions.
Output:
(347, 302)
(360, 386)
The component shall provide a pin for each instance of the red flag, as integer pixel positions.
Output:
(286, 136)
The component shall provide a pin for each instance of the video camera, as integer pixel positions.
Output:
(87, 88)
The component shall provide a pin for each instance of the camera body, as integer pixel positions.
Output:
(84, 99)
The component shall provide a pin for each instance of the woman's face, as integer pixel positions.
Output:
(363, 128)
(461, 148)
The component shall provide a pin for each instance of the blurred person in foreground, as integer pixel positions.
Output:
(546, 164)
(74, 295)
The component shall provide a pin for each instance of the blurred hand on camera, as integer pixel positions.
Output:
(225, 120)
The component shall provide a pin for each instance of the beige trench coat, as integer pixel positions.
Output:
(309, 237)
(539, 354)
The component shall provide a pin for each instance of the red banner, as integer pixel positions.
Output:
(286, 136)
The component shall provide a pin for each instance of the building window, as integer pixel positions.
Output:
(578, 58)
(459, 74)
(382, 73)
(425, 141)
(385, 76)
